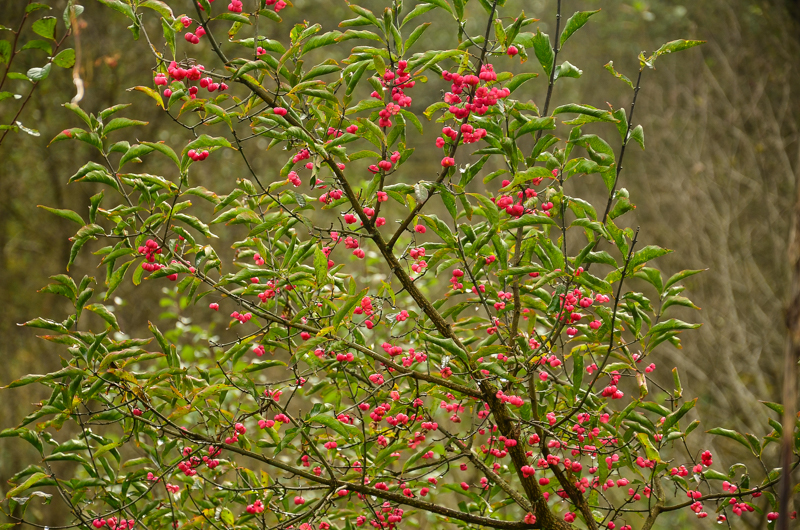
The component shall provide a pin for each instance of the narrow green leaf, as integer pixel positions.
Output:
(104, 313)
(733, 435)
(672, 324)
(256, 366)
(318, 41)
(675, 278)
(519, 79)
(33, 479)
(66, 214)
(346, 430)
(121, 123)
(637, 134)
(544, 51)
(610, 67)
(575, 23)
(674, 417)
(320, 266)
(676, 46)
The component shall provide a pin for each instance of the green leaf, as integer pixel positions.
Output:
(320, 266)
(519, 79)
(441, 3)
(33, 479)
(567, 69)
(318, 41)
(122, 7)
(649, 448)
(490, 209)
(5, 51)
(638, 134)
(38, 45)
(672, 324)
(45, 27)
(248, 67)
(256, 366)
(577, 370)
(366, 13)
(677, 300)
(135, 151)
(219, 112)
(526, 220)
(164, 149)
(195, 223)
(155, 94)
(104, 313)
(733, 435)
(66, 214)
(65, 58)
(777, 407)
(236, 17)
(72, 11)
(163, 9)
(347, 307)
(448, 345)
(575, 23)
(544, 51)
(116, 278)
(536, 124)
(593, 282)
(121, 123)
(320, 70)
(211, 390)
(588, 110)
(710, 474)
(420, 9)
(675, 278)
(112, 110)
(203, 142)
(358, 34)
(35, 6)
(100, 176)
(673, 418)
(526, 176)
(415, 35)
(348, 431)
(39, 74)
(44, 323)
(610, 67)
(676, 46)
(226, 516)
(648, 253)
(70, 371)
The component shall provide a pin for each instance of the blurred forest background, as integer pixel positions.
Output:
(717, 182)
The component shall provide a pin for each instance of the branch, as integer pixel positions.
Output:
(359, 488)
(622, 149)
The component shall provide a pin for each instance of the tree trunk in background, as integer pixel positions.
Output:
(791, 355)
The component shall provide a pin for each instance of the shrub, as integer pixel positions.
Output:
(515, 395)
